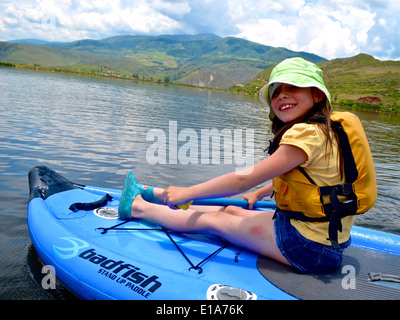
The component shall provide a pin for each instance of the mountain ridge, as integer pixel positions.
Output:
(187, 59)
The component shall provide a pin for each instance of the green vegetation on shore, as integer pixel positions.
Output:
(116, 75)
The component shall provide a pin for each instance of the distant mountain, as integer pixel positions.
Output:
(52, 57)
(30, 41)
(204, 59)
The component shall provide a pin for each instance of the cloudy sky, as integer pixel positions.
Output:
(329, 28)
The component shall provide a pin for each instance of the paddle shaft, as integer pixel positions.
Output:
(234, 202)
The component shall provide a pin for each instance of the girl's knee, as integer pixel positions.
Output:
(232, 209)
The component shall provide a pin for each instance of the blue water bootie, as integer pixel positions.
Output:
(129, 193)
(148, 193)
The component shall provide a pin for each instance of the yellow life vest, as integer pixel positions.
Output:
(297, 194)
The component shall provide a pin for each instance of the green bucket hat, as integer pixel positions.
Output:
(297, 72)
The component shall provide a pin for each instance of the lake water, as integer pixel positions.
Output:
(94, 130)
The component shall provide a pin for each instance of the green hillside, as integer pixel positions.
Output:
(179, 58)
(361, 82)
(68, 59)
(363, 76)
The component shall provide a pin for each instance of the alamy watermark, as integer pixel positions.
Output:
(349, 280)
(205, 146)
(49, 280)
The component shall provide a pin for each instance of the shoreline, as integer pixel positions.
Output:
(101, 75)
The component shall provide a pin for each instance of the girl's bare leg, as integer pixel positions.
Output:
(254, 231)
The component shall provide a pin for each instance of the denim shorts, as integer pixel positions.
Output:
(305, 255)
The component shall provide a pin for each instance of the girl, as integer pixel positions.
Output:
(298, 100)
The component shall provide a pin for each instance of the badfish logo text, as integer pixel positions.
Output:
(73, 248)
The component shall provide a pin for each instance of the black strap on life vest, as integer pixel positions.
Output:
(336, 209)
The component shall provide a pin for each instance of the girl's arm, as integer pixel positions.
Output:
(283, 160)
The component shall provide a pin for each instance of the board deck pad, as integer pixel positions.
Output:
(350, 282)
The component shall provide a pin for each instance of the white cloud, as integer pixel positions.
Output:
(357, 20)
(174, 9)
(329, 28)
(317, 29)
(270, 32)
(65, 20)
(382, 22)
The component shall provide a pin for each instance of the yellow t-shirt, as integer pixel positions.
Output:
(323, 166)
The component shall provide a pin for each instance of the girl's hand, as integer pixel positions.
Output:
(252, 198)
(173, 196)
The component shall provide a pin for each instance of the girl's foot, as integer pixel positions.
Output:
(129, 193)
